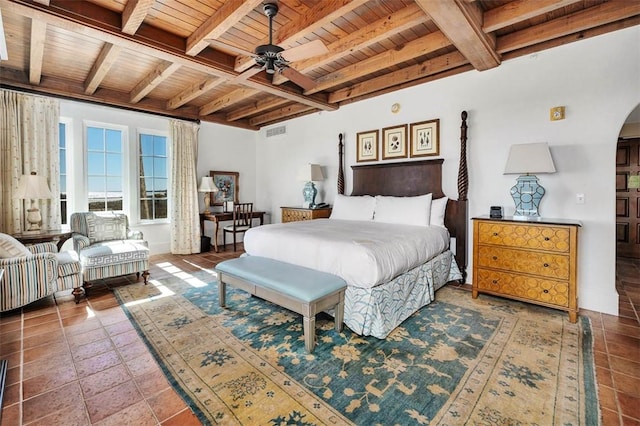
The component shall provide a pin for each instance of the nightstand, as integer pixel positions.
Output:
(533, 260)
(295, 214)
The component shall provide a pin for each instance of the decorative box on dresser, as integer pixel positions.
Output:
(532, 260)
(295, 214)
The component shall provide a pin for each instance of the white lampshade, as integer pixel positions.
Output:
(207, 185)
(529, 158)
(311, 173)
(33, 187)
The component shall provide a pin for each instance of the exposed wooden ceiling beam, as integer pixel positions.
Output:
(53, 86)
(134, 13)
(256, 107)
(319, 15)
(388, 58)
(98, 23)
(413, 72)
(226, 100)
(518, 11)
(151, 81)
(36, 50)
(380, 30)
(193, 92)
(279, 114)
(600, 14)
(231, 12)
(462, 24)
(101, 67)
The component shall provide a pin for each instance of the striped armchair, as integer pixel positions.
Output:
(35, 271)
(107, 247)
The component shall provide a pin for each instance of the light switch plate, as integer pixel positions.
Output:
(556, 113)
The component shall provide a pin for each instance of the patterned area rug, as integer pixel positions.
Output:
(456, 361)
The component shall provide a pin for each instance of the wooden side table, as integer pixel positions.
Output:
(295, 214)
(55, 235)
(534, 261)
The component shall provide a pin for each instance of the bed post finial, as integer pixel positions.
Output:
(463, 175)
(340, 167)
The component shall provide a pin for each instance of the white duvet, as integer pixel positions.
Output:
(364, 254)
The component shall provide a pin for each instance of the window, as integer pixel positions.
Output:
(62, 135)
(105, 168)
(153, 177)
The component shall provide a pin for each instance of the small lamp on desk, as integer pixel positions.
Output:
(207, 186)
(33, 187)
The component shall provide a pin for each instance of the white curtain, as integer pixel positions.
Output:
(28, 143)
(185, 214)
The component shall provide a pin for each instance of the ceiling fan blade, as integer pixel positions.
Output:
(298, 78)
(304, 51)
(247, 74)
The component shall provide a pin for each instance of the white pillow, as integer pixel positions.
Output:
(403, 210)
(10, 247)
(353, 208)
(438, 208)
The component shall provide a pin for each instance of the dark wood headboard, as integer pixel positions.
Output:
(412, 178)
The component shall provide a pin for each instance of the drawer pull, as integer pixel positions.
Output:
(494, 282)
(547, 238)
(545, 291)
(495, 234)
(495, 258)
(546, 265)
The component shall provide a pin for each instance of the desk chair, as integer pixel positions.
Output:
(242, 215)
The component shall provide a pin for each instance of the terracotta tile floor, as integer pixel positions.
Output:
(85, 364)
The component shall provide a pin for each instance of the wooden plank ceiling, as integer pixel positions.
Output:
(191, 58)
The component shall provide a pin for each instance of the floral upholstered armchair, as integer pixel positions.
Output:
(35, 271)
(107, 247)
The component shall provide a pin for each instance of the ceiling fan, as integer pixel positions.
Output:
(272, 58)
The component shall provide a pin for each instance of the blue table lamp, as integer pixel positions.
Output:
(311, 173)
(527, 160)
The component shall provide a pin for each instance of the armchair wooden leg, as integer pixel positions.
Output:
(77, 293)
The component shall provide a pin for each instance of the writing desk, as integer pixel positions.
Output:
(218, 217)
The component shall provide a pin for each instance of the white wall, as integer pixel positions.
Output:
(597, 80)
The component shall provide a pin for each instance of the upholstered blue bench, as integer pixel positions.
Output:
(302, 290)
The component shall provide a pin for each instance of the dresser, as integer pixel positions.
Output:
(532, 260)
(295, 214)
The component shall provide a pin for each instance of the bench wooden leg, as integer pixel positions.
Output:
(222, 293)
(338, 315)
(309, 326)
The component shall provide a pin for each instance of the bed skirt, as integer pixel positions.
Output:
(377, 311)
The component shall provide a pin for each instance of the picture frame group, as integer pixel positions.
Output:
(420, 139)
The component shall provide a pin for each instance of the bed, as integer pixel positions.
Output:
(391, 269)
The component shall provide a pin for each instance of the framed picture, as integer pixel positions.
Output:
(425, 138)
(394, 143)
(367, 149)
(227, 183)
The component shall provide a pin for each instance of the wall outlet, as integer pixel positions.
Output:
(579, 198)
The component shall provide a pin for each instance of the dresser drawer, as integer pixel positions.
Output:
(523, 286)
(549, 265)
(538, 237)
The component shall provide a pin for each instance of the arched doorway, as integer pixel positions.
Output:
(628, 217)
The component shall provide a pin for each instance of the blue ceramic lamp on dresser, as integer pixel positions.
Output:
(527, 160)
